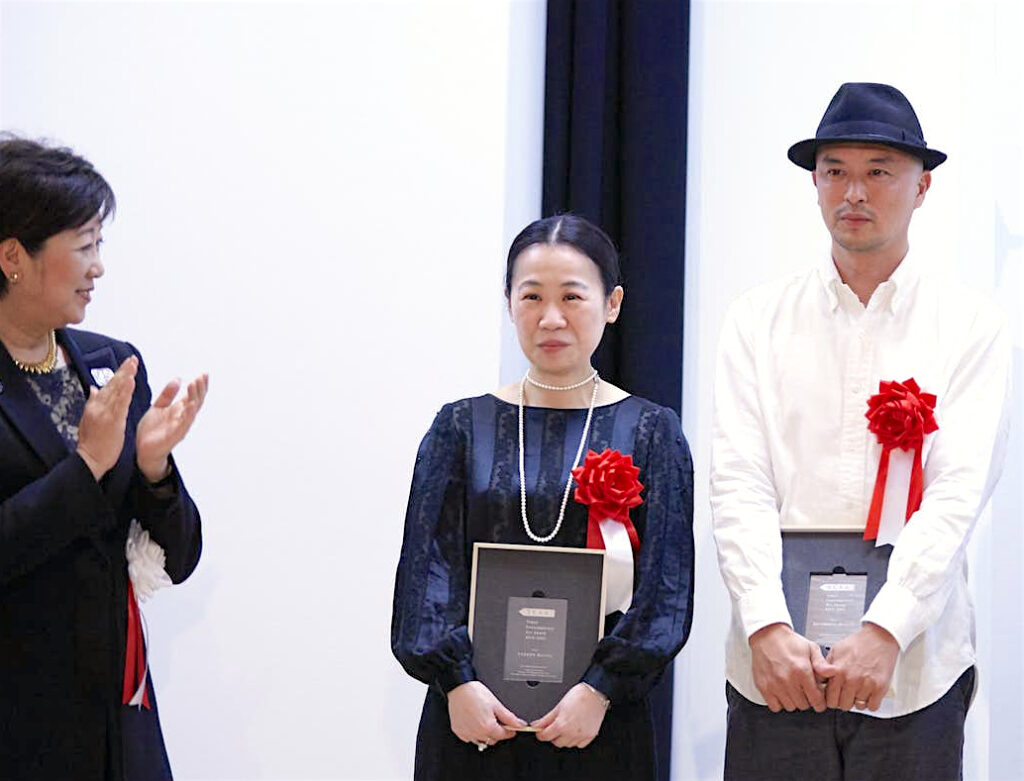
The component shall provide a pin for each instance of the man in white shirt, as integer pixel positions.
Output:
(796, 458)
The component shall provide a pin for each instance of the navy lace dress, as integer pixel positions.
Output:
(465, 489)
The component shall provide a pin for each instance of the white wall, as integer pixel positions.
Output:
(315, 204)
(761, 74)
(315, 200)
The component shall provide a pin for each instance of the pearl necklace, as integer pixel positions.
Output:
(574, 386)
(44, 366)
(522, 453)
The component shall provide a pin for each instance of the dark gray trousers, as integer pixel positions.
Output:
(926, 745)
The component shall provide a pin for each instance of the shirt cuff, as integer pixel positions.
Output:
(897, 611)
(456, 675)
(762, 607)
(611, 686)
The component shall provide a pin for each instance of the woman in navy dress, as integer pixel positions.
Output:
(561, 287)
(85, 453)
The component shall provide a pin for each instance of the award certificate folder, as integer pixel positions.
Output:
(830, 579)
(536, 614)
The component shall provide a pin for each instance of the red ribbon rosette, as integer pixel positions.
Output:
(607, 484)
(900, 415)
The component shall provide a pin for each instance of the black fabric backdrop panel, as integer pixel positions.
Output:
(615, 153)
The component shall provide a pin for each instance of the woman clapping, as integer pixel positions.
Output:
(88, 490)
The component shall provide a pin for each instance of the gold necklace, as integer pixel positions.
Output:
(44, 366)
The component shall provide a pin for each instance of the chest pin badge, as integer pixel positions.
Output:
(102, 375)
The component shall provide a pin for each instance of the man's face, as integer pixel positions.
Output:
(867, 194)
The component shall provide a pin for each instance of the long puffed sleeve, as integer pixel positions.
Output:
(429, 636)
(629, 660)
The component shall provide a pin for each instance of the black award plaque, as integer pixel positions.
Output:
(829, 579)
(535, 616)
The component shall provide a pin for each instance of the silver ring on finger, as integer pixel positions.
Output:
(860, 704)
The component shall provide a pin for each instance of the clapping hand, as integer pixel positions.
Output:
(101, 429)
(165, 424)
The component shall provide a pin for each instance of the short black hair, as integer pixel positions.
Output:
(45, 190)
(573, 231)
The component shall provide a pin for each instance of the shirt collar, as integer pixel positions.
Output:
(894, 290)
(904, 279)
(831, 281)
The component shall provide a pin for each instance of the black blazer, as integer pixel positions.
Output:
(63, 584)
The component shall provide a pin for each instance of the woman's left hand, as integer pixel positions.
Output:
(165, 424)
(575, 721)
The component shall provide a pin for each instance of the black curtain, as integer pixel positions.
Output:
(615, 153)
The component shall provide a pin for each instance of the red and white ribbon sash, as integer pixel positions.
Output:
(900, 415)
(607, 483)
(617, 543)
(133, 690)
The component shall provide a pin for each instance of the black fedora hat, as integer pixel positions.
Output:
(869, 114)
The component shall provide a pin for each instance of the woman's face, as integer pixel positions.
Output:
(559, 308)
(55, 285)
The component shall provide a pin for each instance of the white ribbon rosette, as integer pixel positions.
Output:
(146, 560)
(146, 574)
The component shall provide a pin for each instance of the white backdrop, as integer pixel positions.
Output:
(315, 203)
(761, 75)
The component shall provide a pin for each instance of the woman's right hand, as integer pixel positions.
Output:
(101, 430)
(477, 716)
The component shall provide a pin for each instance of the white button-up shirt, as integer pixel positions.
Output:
(798, 360)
